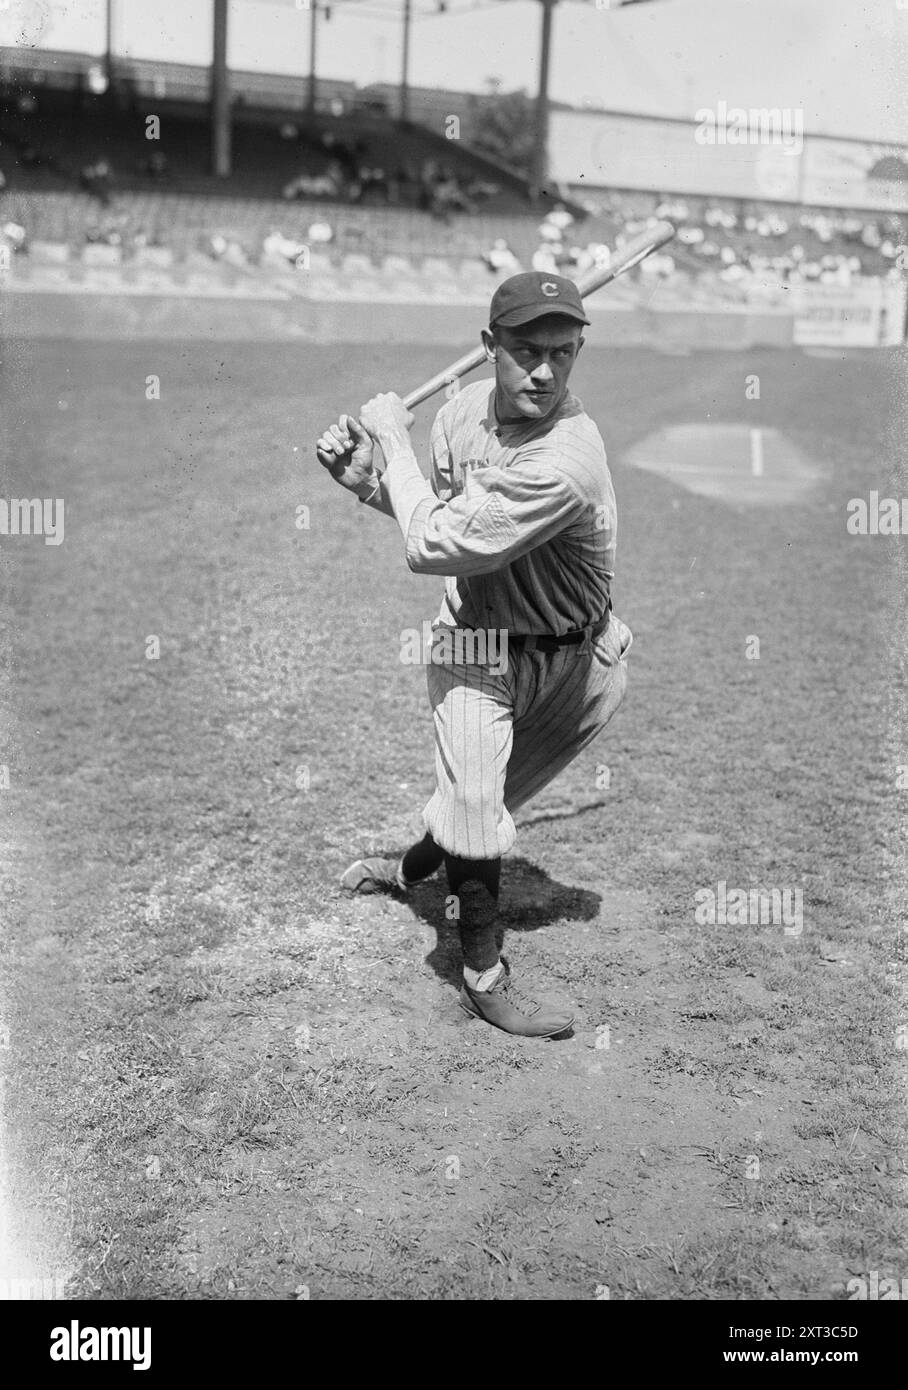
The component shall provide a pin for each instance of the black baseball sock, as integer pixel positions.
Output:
(421, 859)
(475, 884)
(487, 871)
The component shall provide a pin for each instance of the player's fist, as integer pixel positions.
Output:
(345, 449)
(385, 415)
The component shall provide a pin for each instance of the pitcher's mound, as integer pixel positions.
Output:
(732, 463)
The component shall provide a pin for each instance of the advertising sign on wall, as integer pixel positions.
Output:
(600, 149)
(866, 313)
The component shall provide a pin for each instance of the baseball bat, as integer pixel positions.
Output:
(622, 261)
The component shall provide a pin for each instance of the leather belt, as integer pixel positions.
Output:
(546, 642)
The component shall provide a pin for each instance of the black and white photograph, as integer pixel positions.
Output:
(454, 665)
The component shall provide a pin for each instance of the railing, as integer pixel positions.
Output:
(178, 218)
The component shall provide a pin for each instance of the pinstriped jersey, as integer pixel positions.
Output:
(525, 522)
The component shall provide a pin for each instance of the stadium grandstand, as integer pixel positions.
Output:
(108, 163)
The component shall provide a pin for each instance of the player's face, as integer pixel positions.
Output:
(532, 366)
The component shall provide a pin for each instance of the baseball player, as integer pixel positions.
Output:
(520, 519)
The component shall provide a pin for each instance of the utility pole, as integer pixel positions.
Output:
(539, 173)
(405, 71)
(220, 95)
(108, 47)
(313, 50)
(540, 170)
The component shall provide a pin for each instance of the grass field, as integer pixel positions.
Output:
(225, 1078)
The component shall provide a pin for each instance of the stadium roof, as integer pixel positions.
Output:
(841, 61)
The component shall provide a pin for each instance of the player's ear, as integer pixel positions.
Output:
(580, 341)
(488, 342)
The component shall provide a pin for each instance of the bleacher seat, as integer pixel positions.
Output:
(48, 252)
(354, 264)
(473, 268)
(435, 268)
(399, 265)
(159, 257)
(320, 263)
(98, 254)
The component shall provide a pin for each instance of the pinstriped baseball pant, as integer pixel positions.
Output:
(499, 739)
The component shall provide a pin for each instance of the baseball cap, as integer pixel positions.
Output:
(532, 294)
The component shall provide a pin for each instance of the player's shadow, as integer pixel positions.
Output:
(530, 898)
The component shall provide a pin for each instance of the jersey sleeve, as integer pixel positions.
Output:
(501, 515)
(441, 461)
(442, 474)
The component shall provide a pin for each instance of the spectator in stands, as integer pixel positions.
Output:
(155, 166)
(112, 230)
(327, 185)
(480, 190)
(580, 259)
(393, 187)
(501, 259)
(675, 212)
(549, 233)
(552, 254)
(544, 259)
(440, 193)
(97, 179)
(2, 180)
(559, 219)
(447, 197)
(599, 255)
(657, 267)
(280, 248)
(370, 185)
(427, 178)
(13, 235)
(410, 186)
(220, 249)
(453, 195)
(349, 157)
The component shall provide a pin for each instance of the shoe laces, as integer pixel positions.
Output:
(524, 1003)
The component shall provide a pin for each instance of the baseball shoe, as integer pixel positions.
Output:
(507, 1007)
(374, 876)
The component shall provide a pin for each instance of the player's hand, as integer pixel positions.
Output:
(346, 450)
(386, 415)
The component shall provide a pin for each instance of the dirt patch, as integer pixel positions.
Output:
(229, 1080)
